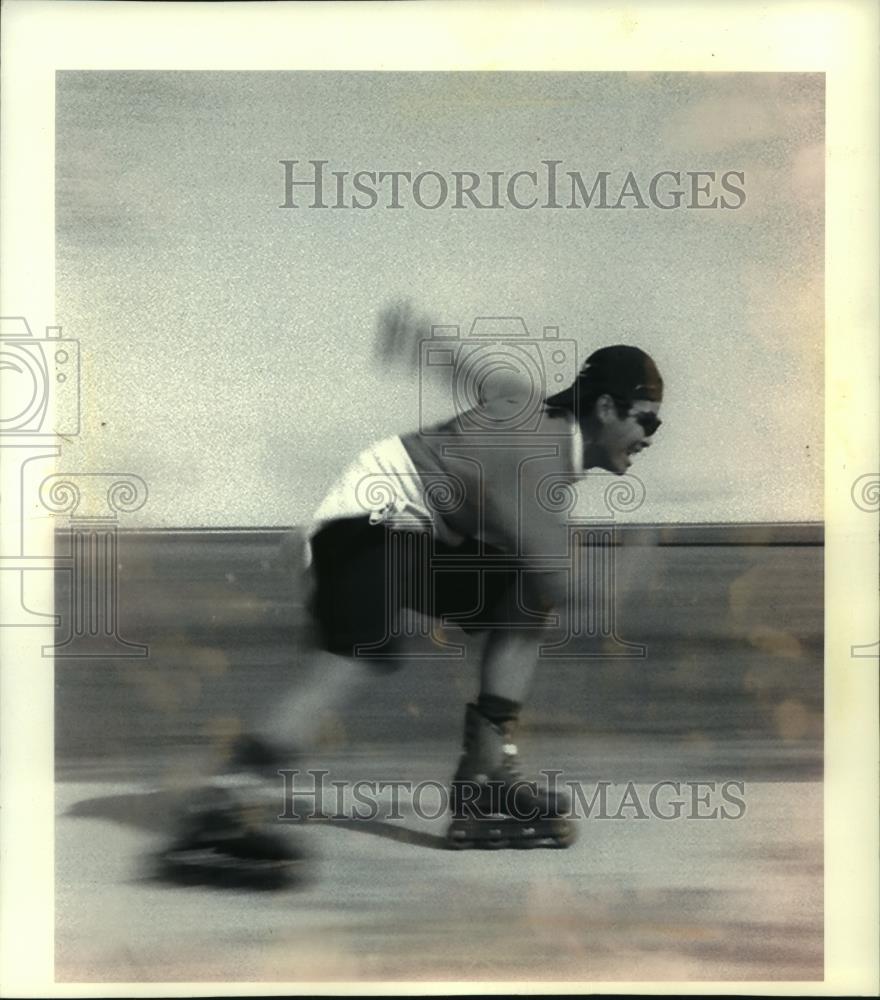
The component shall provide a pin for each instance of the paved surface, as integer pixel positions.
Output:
(731, 690)
(633, 899)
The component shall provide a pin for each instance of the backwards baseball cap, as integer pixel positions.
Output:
(623, 372)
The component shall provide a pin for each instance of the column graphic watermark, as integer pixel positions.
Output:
(41, 409)
(40, 404)
(592, 564)
(93, 503)
(865, 493)
(497, 541)
(406, 504)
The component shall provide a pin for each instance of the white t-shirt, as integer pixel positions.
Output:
(384, 484)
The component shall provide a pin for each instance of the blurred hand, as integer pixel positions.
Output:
(399, 331)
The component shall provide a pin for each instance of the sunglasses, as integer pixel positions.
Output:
(648, 421)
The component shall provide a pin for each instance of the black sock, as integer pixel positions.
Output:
(497, 709)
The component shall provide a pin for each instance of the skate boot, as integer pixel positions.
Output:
(226, 835)
(492, 806)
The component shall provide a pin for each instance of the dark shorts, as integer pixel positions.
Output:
(365, 574)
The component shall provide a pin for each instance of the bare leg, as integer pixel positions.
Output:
(510, 656)
(508, 664)
(296, 717)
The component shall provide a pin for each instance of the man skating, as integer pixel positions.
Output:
(460, 523)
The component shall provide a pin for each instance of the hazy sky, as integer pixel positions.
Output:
(228, 344)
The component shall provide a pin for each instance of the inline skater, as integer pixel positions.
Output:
(489, 558)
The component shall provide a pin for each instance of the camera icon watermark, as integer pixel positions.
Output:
(490, 539)
(498, 376)
(41, 405)
(42, 384)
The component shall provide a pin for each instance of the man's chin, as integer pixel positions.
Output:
(619, 468)
(618, 465)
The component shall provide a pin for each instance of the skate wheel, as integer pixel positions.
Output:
(208, 868)
(457, 841)
(563, 840)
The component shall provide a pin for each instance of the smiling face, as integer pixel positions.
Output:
(613, 440)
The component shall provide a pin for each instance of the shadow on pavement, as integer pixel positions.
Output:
(155, 811)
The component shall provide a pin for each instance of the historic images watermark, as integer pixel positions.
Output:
(309, 795)
(42, 406)
(558, 578)
(550, 185)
